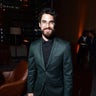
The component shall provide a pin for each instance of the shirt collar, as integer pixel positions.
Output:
(50, 41)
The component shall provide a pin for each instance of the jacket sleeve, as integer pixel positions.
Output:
(67, 71)
(31, 71)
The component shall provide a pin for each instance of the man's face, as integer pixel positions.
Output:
(47, 25)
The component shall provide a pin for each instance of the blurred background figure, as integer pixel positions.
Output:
(82, 56)
(83, 68)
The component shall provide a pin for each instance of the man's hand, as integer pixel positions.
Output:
(30, 94)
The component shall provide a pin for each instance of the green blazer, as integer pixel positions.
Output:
(56, 77)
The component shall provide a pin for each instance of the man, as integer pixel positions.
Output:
(82, 56)
(50, 65)
(83, 68)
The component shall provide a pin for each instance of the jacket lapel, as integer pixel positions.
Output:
(51, 53)
(41, 56)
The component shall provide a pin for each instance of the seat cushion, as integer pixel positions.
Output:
(8, 76)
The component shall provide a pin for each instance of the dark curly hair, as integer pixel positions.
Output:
(47, 11)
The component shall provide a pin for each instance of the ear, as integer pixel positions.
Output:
(39, 24)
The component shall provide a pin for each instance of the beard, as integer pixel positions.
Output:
(48, 34)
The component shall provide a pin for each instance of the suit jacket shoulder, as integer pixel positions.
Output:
(35, 43)
(62, 42)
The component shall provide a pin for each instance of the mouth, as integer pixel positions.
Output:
(48, 29)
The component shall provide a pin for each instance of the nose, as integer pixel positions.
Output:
(47, 24)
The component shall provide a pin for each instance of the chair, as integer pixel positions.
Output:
(15, 81)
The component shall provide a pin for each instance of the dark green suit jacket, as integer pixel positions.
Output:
(56, 77)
